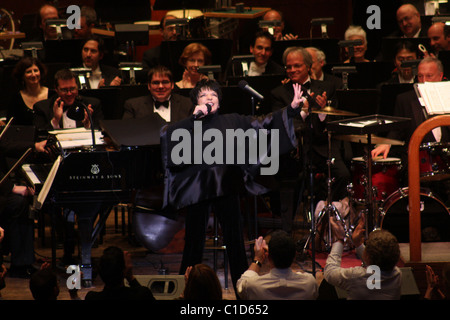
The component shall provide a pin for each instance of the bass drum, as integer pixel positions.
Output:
(435, 217)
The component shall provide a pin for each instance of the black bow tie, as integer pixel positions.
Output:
(159, 104)
(307, 85)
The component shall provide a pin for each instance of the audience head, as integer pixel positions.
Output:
(202, 284)
(88, 20)
(281, 249)
(92, 52)
(112, 267)
(357, 33)
(318, 61)
(382, 249)
(169, 33)
(408, 19)
(44, 285)
(262, 47)
(207, 91)
(29, 71)
(438, 40)
(274, 15)
(160, 83)
(298, 63)
(193, 56)
(404, 51)
(48, 12)
(430, 69)
(66, 86)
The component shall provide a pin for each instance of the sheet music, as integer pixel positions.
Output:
(435, 97)
(77, 137)
(47, 184)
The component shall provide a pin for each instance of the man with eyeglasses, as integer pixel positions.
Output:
(409, 23)
(298, 63)
(162, 100)
(51, 114)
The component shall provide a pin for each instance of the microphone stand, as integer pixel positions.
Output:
(311, 185)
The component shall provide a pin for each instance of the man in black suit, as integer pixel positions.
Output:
(298, 64)
(409, 23)
(319, 61)
(101, 75)
(51, 113)
(262, 50)
(151, 57)
(407, 105)
(162, 100)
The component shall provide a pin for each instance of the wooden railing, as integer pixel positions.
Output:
(415, 237)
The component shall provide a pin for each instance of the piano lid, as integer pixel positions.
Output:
(134, 132)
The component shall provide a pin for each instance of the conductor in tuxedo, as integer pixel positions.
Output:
(51, 113)
(298, 63)
(162, 100)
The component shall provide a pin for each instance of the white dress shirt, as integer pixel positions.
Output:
(354, 280)
(278, 284)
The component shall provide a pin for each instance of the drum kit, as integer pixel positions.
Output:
(375, 181)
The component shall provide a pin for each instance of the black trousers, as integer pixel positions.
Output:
(228, 213)
(19, 230)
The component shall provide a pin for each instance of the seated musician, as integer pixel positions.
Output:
(404, 51)
(102, 75)
(51, 113)
(194, 55)
(151, 57)
(15, 202)
(278, 32)
(88, 20)
(407, 105)
(262, 50)
(356, 33)
(162, 100)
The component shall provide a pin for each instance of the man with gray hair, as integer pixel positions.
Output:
(298, 63)
(318, 62)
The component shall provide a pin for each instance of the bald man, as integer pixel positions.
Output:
(273, 15)
(409, 22)
(438, 39)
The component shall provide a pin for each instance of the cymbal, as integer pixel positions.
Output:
(334, 112)
(363, 138)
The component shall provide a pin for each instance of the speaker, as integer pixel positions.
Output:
(163, 287)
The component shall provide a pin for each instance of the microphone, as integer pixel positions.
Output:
(200, 113)
(244, 86)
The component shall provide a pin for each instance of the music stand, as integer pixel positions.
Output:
(132, 35)
(388, 96)
(389, 44)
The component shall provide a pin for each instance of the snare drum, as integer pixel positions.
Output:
(435, 217)
(385, 177)
(434, 161)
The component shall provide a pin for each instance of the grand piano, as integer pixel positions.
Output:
(102, 177)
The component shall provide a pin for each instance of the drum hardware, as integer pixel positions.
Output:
(329, 210)
(363, 130)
